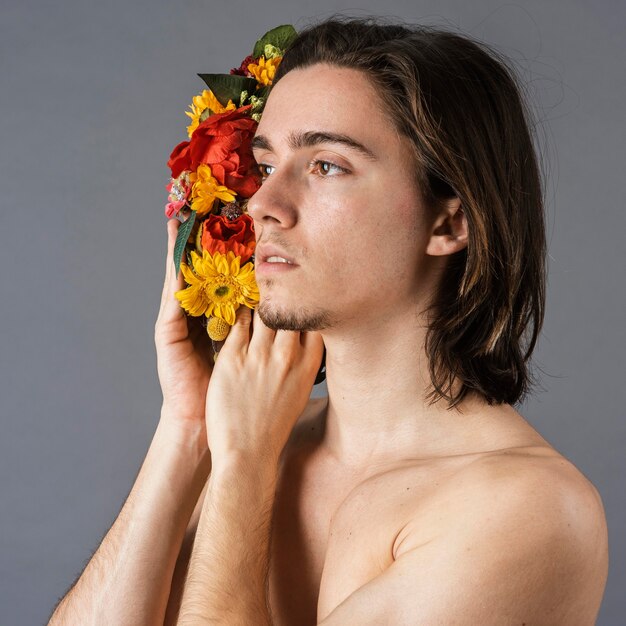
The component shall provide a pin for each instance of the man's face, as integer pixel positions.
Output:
(356, 235)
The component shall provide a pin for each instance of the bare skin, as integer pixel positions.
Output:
(389, 509)
(379, 477)
(337, 527)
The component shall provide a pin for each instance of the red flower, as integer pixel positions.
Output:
(180, 159)
(242, 70)
(219, 234)
(222, 141)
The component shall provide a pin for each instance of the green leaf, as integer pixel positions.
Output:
(184, 230)
(227, 87)
(281, 37)
(262, 92)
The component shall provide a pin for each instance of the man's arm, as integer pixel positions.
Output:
(228, 572)
(182, 563)
(128, 579)
(524, 549)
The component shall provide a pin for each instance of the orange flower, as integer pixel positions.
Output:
(264, 69)
(219, 234)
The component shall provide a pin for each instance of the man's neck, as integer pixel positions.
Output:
(377, 380)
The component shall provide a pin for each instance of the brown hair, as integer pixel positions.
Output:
(462, 108)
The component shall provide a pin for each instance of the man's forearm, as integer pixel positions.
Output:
(128, 579)
(228, 571)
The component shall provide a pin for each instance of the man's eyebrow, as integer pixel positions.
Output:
(310, 138)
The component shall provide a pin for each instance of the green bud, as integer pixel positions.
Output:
(257, 103)
(272, 51)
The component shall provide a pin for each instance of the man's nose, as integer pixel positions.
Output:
(273, 204)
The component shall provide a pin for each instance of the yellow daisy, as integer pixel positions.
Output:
(218, 286)
(206, 189)
(200, 104)
(265, 69)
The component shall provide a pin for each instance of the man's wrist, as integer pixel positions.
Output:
(174, 411)
(186, 435)
(238, 467)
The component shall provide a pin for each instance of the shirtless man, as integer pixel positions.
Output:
(374, 505)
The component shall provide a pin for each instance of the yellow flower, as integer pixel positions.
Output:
(265, 69)
(206, 189)
(202, 102)
(218, 286)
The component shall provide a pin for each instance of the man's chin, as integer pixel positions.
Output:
(302, 319)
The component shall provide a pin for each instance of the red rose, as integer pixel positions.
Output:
(222, 141)
(180, 159)
(219, 234)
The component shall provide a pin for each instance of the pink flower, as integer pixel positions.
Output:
(179, 189)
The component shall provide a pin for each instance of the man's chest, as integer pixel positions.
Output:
(330, 536)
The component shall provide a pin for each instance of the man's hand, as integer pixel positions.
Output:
(184, 356)
(259, 387)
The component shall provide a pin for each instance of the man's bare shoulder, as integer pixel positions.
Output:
(535, 505)
(531, 475)
(525, 482)
(511, 537)
(512, 525)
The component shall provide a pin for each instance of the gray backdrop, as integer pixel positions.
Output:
(92, 96)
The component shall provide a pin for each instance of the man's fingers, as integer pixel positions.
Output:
(170, 307)
(287, 342)
(262, 336)
(239, 335)
(172, 232)
(313, 345)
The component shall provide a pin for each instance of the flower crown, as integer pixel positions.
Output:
(213, 174)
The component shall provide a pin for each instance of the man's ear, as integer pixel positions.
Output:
(449, 230)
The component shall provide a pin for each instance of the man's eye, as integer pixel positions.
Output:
(262, 168)
(325, 167)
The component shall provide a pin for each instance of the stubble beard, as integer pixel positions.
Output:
(301, 319)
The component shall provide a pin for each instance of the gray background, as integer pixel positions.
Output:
(92, 97)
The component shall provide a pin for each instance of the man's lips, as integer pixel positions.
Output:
(265, 252)
(268, 267)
